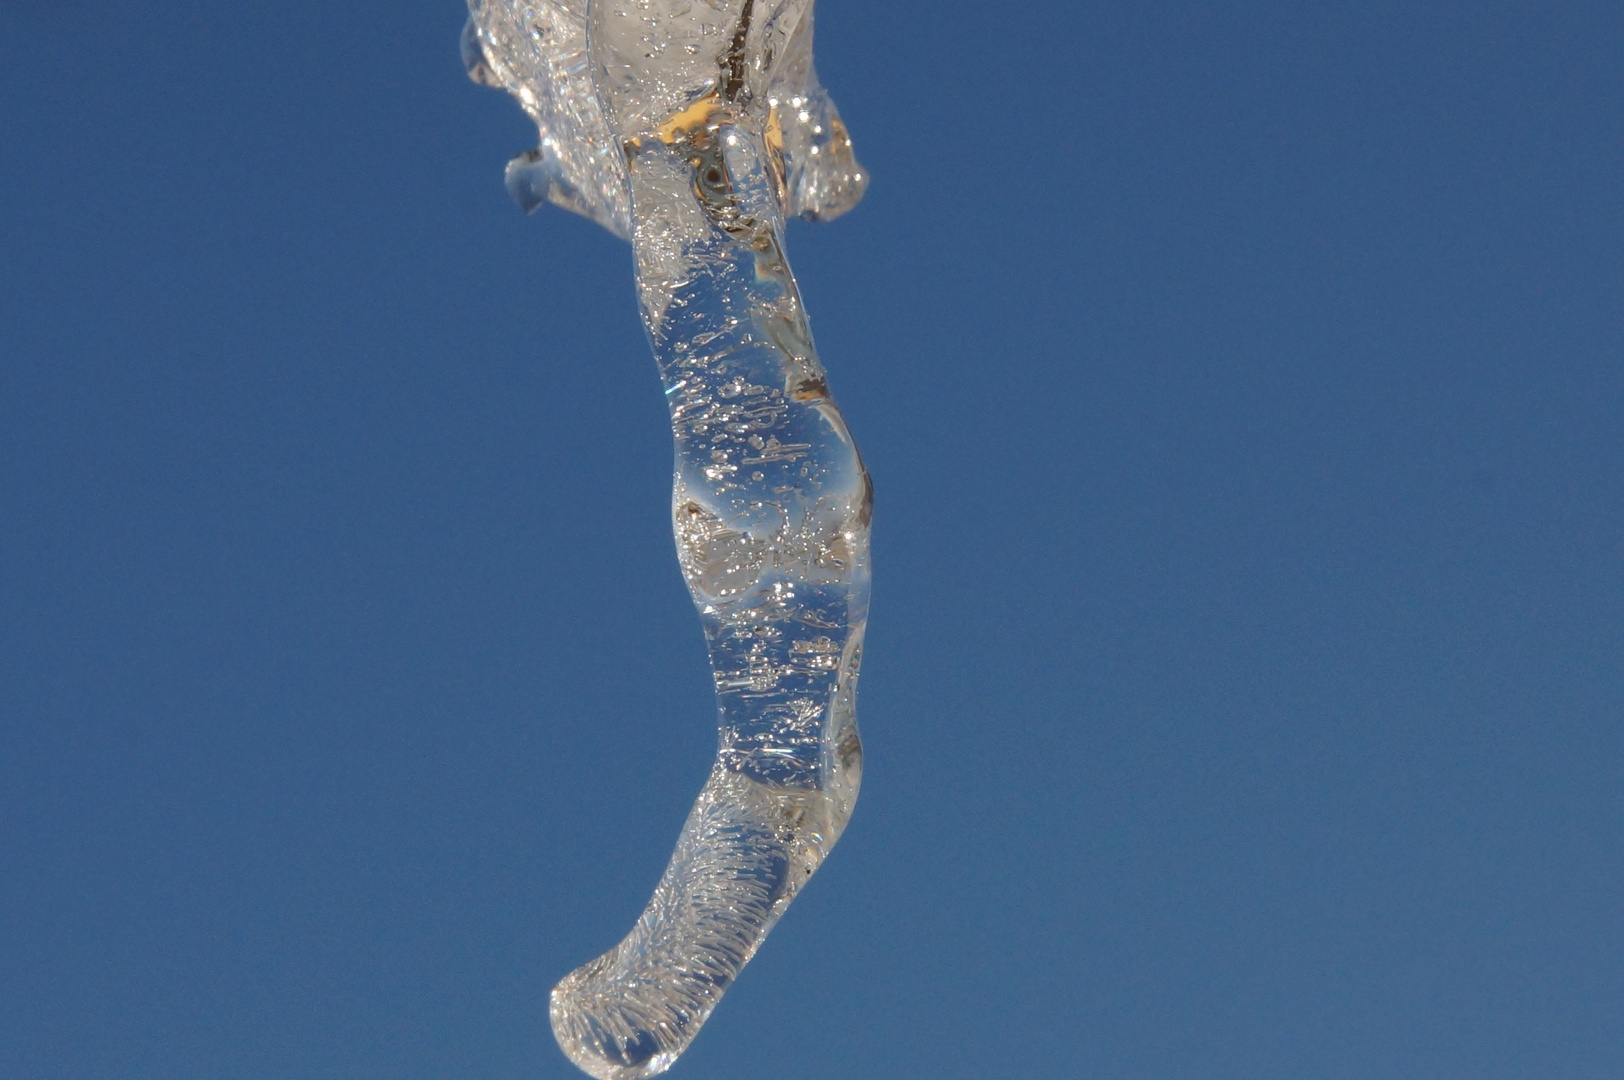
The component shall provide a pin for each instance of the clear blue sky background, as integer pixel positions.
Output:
(1243, 386)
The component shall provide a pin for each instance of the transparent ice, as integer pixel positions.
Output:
(693, 128)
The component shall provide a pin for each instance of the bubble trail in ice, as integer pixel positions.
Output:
(693, 128)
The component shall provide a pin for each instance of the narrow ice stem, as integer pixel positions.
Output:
(715, 126)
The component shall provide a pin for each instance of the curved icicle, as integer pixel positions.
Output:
(692, 128)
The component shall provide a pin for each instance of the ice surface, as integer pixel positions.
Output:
(538, 52)
(693, 127)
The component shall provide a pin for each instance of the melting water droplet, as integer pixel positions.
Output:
(473, 56)
(529, 179)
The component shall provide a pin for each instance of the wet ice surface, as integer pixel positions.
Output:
(693, 128)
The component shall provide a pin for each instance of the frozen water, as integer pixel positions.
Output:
(693, 127)
(538, 52)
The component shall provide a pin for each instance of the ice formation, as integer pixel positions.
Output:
(693, 128)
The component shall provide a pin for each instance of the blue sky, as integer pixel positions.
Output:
(1242, 386)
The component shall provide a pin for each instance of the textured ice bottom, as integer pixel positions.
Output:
(745, 851)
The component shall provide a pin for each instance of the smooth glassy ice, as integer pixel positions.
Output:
(693, 127)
